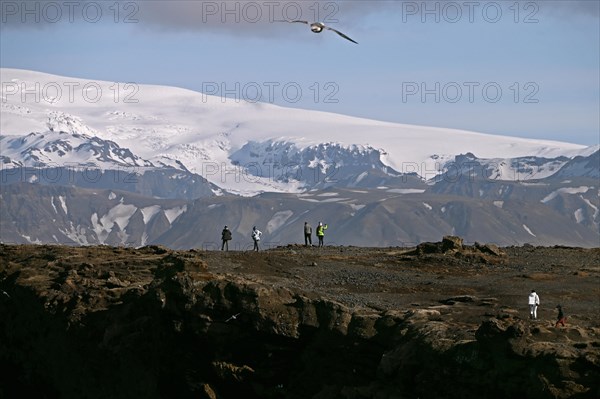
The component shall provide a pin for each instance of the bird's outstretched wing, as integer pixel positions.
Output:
(341, 34)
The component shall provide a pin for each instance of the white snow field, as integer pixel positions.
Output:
(167, 124)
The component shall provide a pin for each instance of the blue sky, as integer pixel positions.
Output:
(527, 69)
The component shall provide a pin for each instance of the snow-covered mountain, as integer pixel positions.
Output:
(242, 147)
(74, 159)
(52, 148)
(581, 166)
(85, 162)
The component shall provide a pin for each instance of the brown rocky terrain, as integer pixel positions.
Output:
(441, 320)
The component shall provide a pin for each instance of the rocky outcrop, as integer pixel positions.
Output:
(109, 322)
(453, 246)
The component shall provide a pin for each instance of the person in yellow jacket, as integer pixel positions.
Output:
(321, 233)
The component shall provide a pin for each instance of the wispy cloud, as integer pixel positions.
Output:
(262, 17)
(257, 18)
(234, 16)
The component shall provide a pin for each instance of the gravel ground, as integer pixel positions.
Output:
(393, 279)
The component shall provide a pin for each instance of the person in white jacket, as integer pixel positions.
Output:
(256, 233)
(534, 302)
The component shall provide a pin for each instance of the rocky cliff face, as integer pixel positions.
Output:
(99, 322)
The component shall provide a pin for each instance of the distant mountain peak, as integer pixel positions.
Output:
(61, 148)
(187, 130)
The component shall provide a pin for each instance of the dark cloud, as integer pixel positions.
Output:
(246, 17)
(29, 14)
(261, 17)
(239, 15)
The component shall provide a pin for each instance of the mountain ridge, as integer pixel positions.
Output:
(173, 126)
(175, 166)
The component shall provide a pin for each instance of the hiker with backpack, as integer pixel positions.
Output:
(225, 237)
(321, 233)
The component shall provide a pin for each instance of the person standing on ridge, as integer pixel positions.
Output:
(534, 302)
(307, 234)
(321, 233)
(256, 237)
(225, 237)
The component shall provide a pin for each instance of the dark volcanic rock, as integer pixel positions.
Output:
(452, 245)
(99, 322)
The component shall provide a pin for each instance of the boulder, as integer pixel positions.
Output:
(452, 244)
(490, 249)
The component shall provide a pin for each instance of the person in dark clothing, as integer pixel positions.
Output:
(225, 237)
(307, 234)
(561, 318)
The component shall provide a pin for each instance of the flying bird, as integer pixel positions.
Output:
(318, 27)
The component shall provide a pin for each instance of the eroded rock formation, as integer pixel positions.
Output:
(101, 322)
